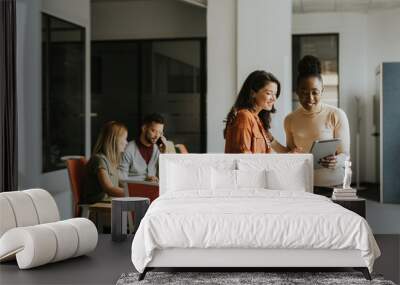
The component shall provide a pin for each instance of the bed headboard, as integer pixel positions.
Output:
(280, 162)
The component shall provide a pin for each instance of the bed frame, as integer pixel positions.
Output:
(242, 259)
(246, 259)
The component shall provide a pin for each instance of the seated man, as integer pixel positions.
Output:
(140, 159)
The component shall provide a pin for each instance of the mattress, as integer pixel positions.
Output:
(251, 219)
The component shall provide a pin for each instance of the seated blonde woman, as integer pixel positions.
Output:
(101, 171)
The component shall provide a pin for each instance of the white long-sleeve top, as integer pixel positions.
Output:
(303, 127)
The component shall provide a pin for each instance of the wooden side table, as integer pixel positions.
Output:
(119, 209)
(355, 205)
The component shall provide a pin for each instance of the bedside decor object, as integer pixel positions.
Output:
(346, 192)
(347, 174)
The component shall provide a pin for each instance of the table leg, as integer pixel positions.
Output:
(130, 220)
(116, 222)
(124, 221)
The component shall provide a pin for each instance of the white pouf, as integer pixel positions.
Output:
(31, 232)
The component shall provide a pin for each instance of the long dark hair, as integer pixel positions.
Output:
(309, 66)
(253, 83)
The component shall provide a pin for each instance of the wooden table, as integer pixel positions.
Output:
(126, 181)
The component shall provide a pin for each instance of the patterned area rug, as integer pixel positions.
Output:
(229, 278)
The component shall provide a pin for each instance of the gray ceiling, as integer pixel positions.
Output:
(314, 6)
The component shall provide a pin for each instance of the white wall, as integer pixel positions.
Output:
(383, 40)
(221, 69)
(236, 46)
(264, 41)
(29, 93)
(29, 82)
(147, 20)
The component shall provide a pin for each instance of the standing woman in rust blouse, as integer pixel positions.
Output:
(248, 122)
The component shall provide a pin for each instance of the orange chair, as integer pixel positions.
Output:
(142, 190)
(181, 148)
(77, 171)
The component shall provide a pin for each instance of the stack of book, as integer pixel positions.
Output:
(344, 194)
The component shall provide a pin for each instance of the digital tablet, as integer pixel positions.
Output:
(323, 148)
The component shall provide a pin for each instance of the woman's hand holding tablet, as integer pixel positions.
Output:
(324, 152)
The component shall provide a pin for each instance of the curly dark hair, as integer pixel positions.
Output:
(309, 66)
(153, 118)
(253, 83)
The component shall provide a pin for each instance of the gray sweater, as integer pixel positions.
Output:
(134, 166)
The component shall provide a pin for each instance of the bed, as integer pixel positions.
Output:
(246, 211)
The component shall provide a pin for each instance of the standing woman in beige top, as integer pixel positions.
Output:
(248, 122)
(314, 120)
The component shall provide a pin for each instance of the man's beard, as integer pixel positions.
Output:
(149, 139)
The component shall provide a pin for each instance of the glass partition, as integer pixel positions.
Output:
(63, 86)
(131, 79)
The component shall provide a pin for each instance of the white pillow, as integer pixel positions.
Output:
(184, 177)
(293, 180)
(224, 179)
(251, 178)
(281, 174)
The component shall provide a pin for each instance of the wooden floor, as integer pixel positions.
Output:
(110, 260)
(103, 266)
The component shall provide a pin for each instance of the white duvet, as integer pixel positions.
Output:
(252, 218)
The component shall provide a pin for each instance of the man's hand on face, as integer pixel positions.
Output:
(163, 146)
